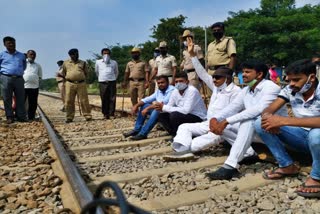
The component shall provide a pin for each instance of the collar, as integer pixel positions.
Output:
(258, 87)
(220, 40)
(229, 87)
(164, 56)
(136, 61)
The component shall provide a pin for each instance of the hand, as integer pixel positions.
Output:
(134, 110)
(272, 123)
(213, 124)
(190, 47)
(144, 112)
(158, 106)
(146, 85)
(220, 128)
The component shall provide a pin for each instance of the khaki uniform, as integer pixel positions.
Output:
(188, 66)
(61, 85)
(152, 83)
(75, 75)
(165, 66)
(219, 53)
(137, 74)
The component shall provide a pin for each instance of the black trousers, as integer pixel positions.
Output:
(31, 95)
(171, 121)
(108, 91)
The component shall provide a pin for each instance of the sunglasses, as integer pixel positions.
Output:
(217, 77)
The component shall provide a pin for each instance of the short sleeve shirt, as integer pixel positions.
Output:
(136, 70)
(219, 52)
(300, 107)
(187, 63)
(75, 71)
(165, 64)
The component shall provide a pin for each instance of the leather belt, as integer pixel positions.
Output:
(215, 67)
(137, 80)
(60, 81)
(9, 75)
(76, 82)
(189, 70)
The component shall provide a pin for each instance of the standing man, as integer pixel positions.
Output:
(137, 72)
(147, 107)
(75, 72)
(301, 132)
(222, 51)
(165, 64)
(12, 65)
(32, 76)
(185, 106)
(107, 72)
(152, 64)
(61, 84)
(186, 64)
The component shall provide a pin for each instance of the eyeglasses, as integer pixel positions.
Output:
(217, 77)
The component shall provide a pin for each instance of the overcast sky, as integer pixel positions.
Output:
(52, 27)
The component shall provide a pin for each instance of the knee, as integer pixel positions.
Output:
(174, 115)
(314, 138)
(257, 126)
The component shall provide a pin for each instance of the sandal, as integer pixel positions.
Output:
(266, 175)
(309, 194)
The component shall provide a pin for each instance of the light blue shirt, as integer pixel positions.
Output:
(160, 96)
(12, 64)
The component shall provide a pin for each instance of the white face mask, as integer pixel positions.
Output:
(181, 86)
(185, 43)
(305, 87)
(106, 58)
(223, 86)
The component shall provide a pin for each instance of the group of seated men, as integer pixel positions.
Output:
(240, 116)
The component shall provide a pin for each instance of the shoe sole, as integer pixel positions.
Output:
(180, 158)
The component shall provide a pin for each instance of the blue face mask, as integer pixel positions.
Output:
(305, 87)
(181, 86)
(155, 54)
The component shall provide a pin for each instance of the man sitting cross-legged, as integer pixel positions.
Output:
(301, 132)
(245, 109)
(147, 106)
(223, 92)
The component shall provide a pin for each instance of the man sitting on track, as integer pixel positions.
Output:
(147, 106)
(223, 92)
(302, 132)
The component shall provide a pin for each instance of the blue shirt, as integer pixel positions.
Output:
(160, 96)
(12, 64)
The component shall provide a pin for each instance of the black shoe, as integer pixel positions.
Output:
(131, 133)
(138, 137)
(250, 160)
(68, 121)
(10, 120)
(22, 120)
(223, 174)
(179, 156)
(106, 117)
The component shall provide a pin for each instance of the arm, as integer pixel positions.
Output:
(231, 50)
(96, 69)
(146, 75)
(126, 77)
(153, 73)
(85, 70)
(174, 71)
(232, 62)
(40, 72)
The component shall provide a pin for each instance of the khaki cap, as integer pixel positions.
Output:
(135, 49)
(187, 33)
(163, 44)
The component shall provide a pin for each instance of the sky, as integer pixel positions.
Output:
(52, 27)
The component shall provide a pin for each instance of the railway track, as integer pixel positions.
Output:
(100, 152)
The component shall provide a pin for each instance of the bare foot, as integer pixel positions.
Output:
(310, 185)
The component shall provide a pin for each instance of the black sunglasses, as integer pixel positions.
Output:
(217, 77)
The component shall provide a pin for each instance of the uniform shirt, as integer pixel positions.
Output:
(59, 76)
(137, 70)
(12, 64)
(219, 98)
(300, 107)
(160, 96)
(74, 71)
(32, 75)
(165, 64)
(219, 52)
(187, 63)
(190, 102)
(106, 71)
(250, 104)
(152, 64)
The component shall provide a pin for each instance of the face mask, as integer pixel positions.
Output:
(223, 86)
(30, 60)
(305, 87)
(135, 56)
(155, 54)
(252, 82)
(106, 58)
(218, 35)
(181, 86)
(163, 52)
(185, 43)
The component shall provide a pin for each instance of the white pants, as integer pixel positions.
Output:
(240, 140)
(203, 137)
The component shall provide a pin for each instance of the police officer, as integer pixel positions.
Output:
(186, 64)
(152, 63)
(75, 72)
(137, 74)
(61, 85)
(222, 51)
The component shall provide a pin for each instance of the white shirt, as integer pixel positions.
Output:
(106, 71)
(219, 98)
(190, 102)
(251, 104)
(32, 75)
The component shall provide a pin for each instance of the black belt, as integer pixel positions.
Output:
(106, 82)
(60, 81)
(165, 75)
(215, 67)
(76, 82)
(139, 79)
(9, 75)
(189, 70)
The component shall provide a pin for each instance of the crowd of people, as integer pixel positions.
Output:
(255, 113)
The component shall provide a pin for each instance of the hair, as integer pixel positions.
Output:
(183, 75)
(162, 77)
(73, 51)
(218, 24)
(258, 66)
(105, 49)
(32, 51)
(302, 66)
(8, 39)
(60, 62)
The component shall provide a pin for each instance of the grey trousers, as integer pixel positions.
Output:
(10, 86)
